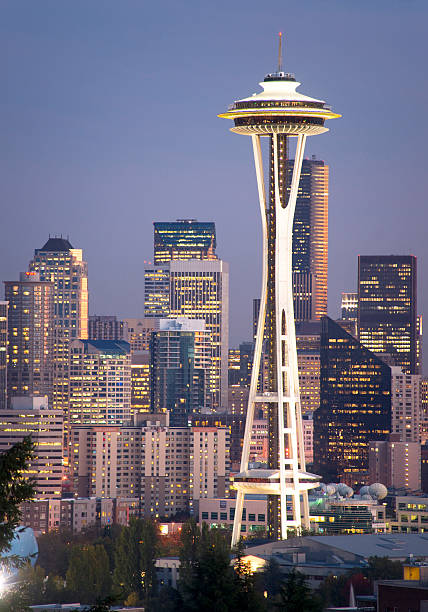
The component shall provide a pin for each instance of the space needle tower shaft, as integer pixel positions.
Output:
(279, 113)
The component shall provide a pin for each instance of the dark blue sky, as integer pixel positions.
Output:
(108, 123)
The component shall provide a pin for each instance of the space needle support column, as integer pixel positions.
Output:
(258, 161)
(288, 400)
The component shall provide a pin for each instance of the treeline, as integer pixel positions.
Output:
(117, 565)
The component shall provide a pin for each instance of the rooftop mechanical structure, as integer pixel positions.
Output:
(280, 113)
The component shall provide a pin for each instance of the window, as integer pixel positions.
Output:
(251, 517)
(223, 516)
(261, 518)
(204, 516)
(214, 516)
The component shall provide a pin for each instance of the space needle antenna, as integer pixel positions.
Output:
(280, 52)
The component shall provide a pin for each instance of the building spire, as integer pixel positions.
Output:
(280, 52)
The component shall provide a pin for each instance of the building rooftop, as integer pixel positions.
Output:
(56, 245)
(392, 545)
(358, 546)
(112, 347)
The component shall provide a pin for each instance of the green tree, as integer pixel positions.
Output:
(135, 558)
(270, 578)
(88, 575)
(54, 551)
(296, 596)
(246, 597)
(15, 488)
(383, 568)
(208, 581)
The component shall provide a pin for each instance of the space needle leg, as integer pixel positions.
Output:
(258, 160)
(286, 355)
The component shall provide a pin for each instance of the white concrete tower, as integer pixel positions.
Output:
(278, 112)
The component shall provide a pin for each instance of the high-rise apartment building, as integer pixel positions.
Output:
(184, 239)
(355, 406)
(387, 323)
(32, 416)
(395, 463)
(140, 382)
(349, 306)
(234, 376)
(58, 262)
(310, 239)
(30, 331)
(406, 414)
(3, 354)
(102, 327)
(181, 359)
(168, 468)
(424, 411)
(100, 383)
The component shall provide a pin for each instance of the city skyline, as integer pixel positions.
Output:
(82, 159)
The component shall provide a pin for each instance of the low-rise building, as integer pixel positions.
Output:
(411, 515)
(221, 513)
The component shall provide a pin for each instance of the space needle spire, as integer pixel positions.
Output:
(280, 113)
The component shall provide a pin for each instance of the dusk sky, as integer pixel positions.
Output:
(109, 122)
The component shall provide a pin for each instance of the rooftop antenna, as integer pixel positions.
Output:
(280, 53)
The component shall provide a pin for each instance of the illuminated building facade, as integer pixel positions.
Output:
(234, 376)
(30, 331)
(195, 289)
(100, 382)
(280, 113)
(180, 369)
(387, 308)
(395, 464)
(200, 290)
(58, 262)
(184, 239)
(310, 239)
(102, 327)
(355, 406)
(140, 382)
(32, 416)
(168, 468)
(406, 413)
(349, 306)
(308, 360)
(156, 291)
(139, 332)
(3, 354)
(424, 411)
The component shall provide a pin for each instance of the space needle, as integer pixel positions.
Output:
(280, 113)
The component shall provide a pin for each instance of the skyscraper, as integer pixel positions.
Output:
(156, 291)
(30, 330)
(406, 405)
(355, 406)
(181, 367)
(387, 308)
(100, 383)
(195, 290)
(184, 239)
(3, 354)
(58, 262)
(279, 112)
(200, 290)
(310, 239)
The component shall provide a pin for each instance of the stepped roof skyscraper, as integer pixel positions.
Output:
(280, 113)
